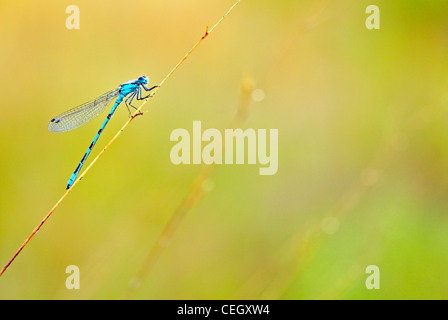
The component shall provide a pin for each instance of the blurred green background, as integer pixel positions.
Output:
(363, 157)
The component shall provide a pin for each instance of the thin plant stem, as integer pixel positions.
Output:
(136, 113)
(272, 280)
(195, 193)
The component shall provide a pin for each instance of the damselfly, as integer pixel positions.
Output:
(79, 116)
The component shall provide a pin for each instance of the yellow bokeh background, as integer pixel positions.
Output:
(362, 177)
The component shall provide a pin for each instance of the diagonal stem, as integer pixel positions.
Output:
(136, 113)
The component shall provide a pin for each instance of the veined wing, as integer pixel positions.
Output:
(79, 116)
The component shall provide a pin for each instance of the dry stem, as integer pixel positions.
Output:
(136, 113)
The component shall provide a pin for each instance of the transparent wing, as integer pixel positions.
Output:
(79, 116)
